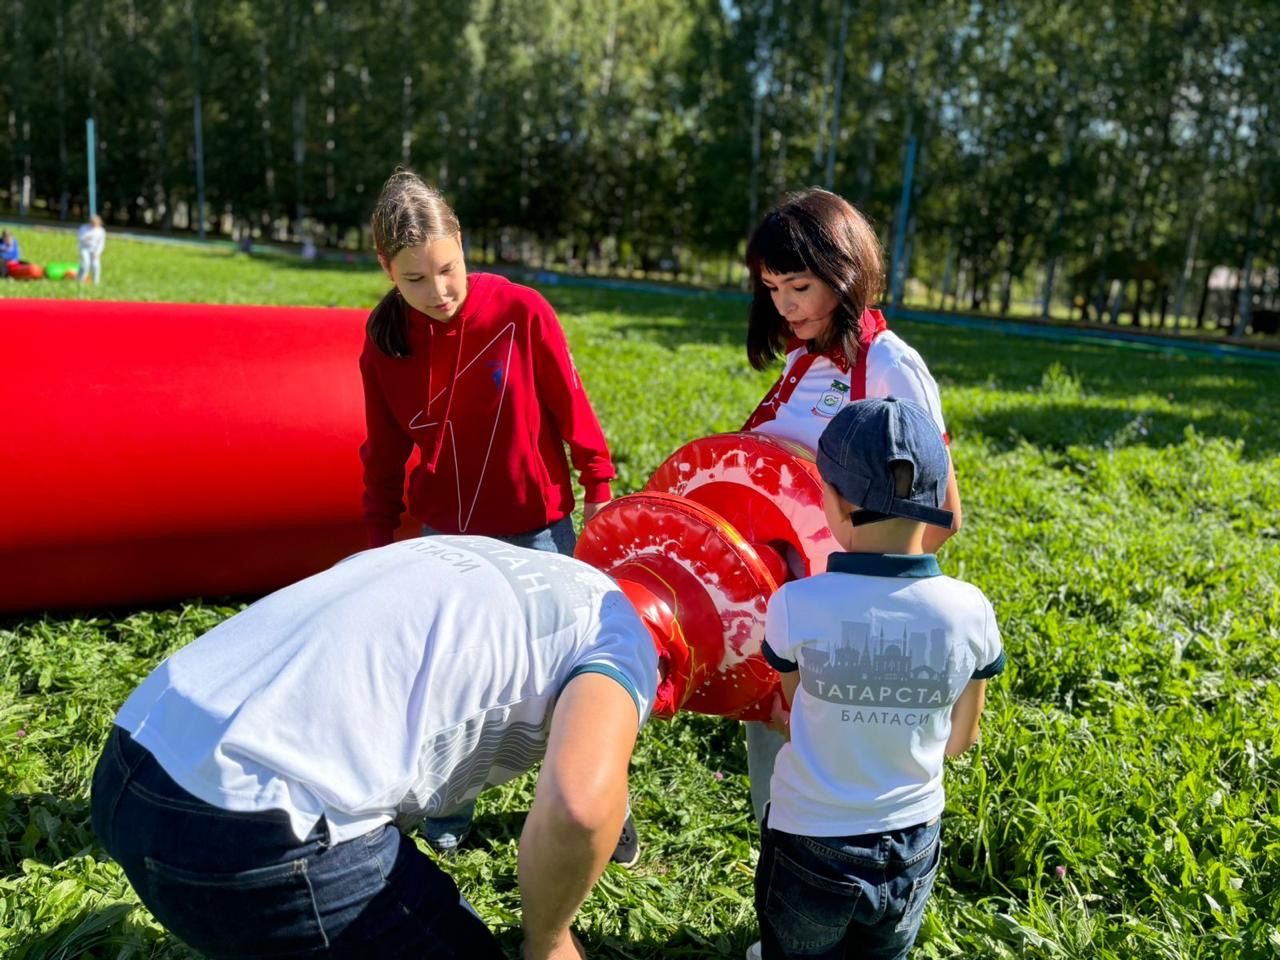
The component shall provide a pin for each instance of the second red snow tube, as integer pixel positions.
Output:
(22, 270)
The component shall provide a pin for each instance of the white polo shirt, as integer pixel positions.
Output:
(826, 386)
(885, 645)
(402, 681)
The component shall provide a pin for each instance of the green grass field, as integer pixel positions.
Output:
(1122, 513)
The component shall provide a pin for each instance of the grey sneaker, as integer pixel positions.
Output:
(755, 951)
(627, 852)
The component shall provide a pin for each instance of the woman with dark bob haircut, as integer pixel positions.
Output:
(816, 268)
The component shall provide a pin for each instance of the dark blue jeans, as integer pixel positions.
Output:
(241, 885)
(841, 898)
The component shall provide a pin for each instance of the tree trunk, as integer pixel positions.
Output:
(64, 194)
(947, 265)
(761, 75)
(19, 118)
(1245, 300)
(608, 62)
(331, 137)
(837, 101)
(1204, 297)
(824, 119)
(1188, 266)
(1051, 246)
(866, 138)
(298, 32)
(1117, 301)
(406, 92)
(264, 123)
(197, 117)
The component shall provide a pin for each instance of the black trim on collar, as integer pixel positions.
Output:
(885, 564)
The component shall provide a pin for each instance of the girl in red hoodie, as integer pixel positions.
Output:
(475, 372)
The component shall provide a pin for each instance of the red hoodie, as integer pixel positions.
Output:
(490, 397)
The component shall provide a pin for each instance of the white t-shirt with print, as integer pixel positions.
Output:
(401, 681)
(893, 370)
(884, 645)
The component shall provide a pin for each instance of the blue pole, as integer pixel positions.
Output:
(93, 171)
(899, 271)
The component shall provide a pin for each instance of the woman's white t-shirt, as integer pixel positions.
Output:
(893, 370)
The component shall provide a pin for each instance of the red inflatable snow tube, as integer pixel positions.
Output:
(22, 270)
(158, 451)
(722, 523)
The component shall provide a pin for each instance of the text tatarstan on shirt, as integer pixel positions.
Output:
(882, 695)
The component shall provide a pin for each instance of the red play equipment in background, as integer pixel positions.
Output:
(161, 451)
(22, 270)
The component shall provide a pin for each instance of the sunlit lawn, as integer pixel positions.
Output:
(1122, 512)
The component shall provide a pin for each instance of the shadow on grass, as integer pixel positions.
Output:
(1055, 426)
(326, 264)
(1235, 394)
(43, 828)
(667, 321)
(973, 359)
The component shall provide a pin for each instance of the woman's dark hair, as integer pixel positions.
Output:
(818, 231)
(408, 213)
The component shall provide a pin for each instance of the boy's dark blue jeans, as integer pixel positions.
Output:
(242, 885)
(840, 898)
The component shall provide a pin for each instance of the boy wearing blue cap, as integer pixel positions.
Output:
(884, 661)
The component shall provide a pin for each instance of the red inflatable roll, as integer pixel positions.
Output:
(158, 451)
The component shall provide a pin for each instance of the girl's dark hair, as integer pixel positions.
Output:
(408, 213)
(818, 231)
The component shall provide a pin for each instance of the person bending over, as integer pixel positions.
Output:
(253, 786)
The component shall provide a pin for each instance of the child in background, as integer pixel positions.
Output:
(9, 249)
(884, 661)
(475, 371)
(816, 269)
(93, 238)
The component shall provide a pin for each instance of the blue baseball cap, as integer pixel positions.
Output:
(862, 441)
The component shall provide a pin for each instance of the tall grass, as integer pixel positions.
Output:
(1123, 514)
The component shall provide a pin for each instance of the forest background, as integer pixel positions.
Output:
(1112, 160)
